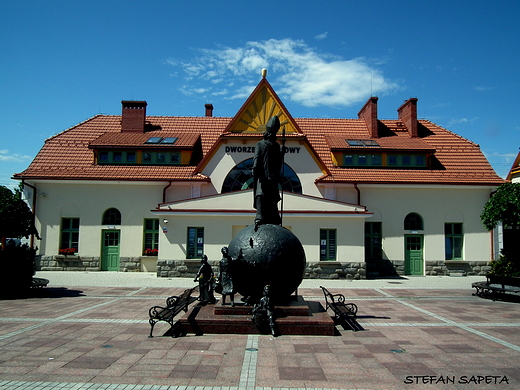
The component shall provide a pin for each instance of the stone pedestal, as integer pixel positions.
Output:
(296, 317)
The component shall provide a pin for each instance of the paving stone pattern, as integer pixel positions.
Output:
(95, 337)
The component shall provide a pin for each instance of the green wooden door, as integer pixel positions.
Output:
(413, 264)
(110, 251)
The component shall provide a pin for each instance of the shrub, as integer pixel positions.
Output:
(17, 263)
(504, 266)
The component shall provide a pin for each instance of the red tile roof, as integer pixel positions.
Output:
(137, 140)
(67, 155)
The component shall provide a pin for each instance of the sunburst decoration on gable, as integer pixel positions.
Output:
(262, 105)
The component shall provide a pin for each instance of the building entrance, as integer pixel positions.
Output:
(413, 254)
(110, 250)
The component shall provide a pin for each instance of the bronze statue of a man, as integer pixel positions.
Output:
(267, 165)
(205, 278)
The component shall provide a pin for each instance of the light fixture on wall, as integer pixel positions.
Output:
(165, 221)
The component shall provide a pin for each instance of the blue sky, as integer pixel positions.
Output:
(62, 62)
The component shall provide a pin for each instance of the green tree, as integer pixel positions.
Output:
(503, 206)
(16, 219)
(16, 261)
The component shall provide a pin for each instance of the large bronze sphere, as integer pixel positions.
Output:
(272, 255)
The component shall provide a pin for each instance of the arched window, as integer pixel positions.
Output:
(112, 217)
(413, 221)
(241, 178)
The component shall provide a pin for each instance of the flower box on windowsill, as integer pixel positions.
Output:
(68, 252)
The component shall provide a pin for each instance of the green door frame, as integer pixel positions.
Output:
(414, 254)
(110, 240)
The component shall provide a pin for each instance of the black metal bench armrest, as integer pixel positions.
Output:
(336, 302)
(171, 301)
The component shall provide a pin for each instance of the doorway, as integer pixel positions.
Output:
(413, 256)
(110, 250)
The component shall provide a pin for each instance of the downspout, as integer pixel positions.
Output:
(33, 208)
(358, 194)
(164, 192)
(492, 235)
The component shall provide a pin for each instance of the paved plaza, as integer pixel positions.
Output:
(90, 331)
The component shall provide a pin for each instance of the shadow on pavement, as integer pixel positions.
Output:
(46, 292)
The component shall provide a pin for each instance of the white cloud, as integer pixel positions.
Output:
(458, 121)
(306, 76)
(321, 36)
(188, 90)
(6, 156)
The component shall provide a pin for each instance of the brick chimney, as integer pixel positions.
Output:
(209, 109)
(369, 114)
(408, 114)
(133, 116)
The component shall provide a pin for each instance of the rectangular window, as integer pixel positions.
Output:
(375, 159)
(147, 157)
(195, 243)
(130, 157)
(103, 157)
(69, 233)
(392, 160)
(406, 160)
(373, 239)
(118, 157)
(453, 239)
(327, 244)
(175, 158)
(348, 159)
(362, 160)
(151, 237)
(419, 161)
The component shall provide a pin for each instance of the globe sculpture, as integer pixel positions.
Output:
(270, 255)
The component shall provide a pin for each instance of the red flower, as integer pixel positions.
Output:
(67, 251)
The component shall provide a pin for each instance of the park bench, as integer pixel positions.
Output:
(496, 287)
(343, 312)
(174, 305)
(39, 282)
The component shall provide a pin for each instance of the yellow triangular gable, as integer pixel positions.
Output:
(262, 105)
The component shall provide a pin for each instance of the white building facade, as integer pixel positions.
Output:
(365, 197)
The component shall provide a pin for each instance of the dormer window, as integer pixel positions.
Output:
(157, 148)
(168, 140)
(362, 143)
(383, 160)
(161, 140)
(118, 157)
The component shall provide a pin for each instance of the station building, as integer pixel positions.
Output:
(366, 197)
